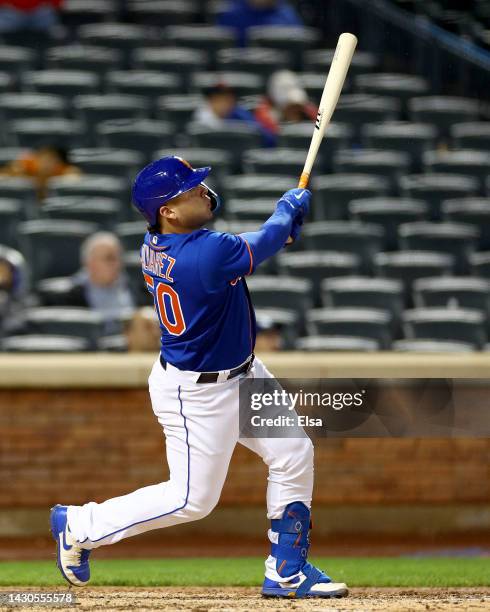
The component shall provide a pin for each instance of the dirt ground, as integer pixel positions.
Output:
(246, 599)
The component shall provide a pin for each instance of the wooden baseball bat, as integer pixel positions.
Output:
(330, 96)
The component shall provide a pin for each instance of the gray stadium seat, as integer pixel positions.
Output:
(480, 264)
(281, 292)
(319, 265)
(177, 109)
(115, 162)
(443, 111)
(98, 60)
(65, 321)
(389, 164)
(97, 108)
(258, 60)
(9, 154)
(314, 84)
(412, 138)
(293, 39)
(163, 12)
(105, 212)
(31, 106)
(52, 246)
(456, 239)
(389, 213)
(361, 239)
(6, 82)
(402, 86)
(243, 83)
(422, 345)
(454, 324)
(283, 319)
(453, 292)
(142, 135)
(407, 266)
(20, 189)
(44, 344)
(333, 192)
(179, 60)
(464, 162)
(298, 136)
(78, 12)
(471, 135)
(320, 60)
(131, 235)
(358, 322)
(33, 133)
(11, 214)
(436, 187)
(249, 209)
(16, 60)
(116, 343)
(359, 109)
(149, 83)
(474, 211)
(274, 161)
(67, 83)
(198, 36)
(270, 186)
(337, 344)
(122, 36)
(88, 185)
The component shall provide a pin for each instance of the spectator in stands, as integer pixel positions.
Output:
(220, 105)
(243, 14)
(13, 290)
(41, 15)
(41, 165)
(142, 331)
(286, 102)
(101, 283)
(269, 337)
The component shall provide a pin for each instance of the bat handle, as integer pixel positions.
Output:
(302, 184)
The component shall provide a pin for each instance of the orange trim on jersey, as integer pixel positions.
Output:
(251, 257)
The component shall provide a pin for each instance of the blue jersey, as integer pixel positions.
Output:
(200, 295)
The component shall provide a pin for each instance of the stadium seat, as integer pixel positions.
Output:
(370, 323)
(361, 239)
(283, 319)
(9, 154)
(436, 187)
(163, 12)
(98, 60)
(115, 343)
(453, 292)
(480, 264)
(67, 83)
(236, 137)
(407, 266)
(249, 209)
(16, 60)
(457, 239)
(320, 60)
(114, 162)
(274, 161)
(443, 111)
(411, 138)
(177, 109)
(55, 291)
(337, 344)
(6, 82)
(150, 84)
(44, 344)
(65, 321)
(52, 246)
(91, 185)
(454, 324)
(243, 83)
(79, 12)
(105, 212)
(333, 192)
(31, 106)
(33, 133)
(94, 109)
(474, 211)
(198, 36)
(389, 213)
(11, 214)
(389, 164)
(178, 60)
(314, 84)
(422, 345)
(359, 109)
(293, 39)
(362, 291)
(281, 292)
(141, 135)
(319, 265)
(136, 281)
(463, 162)
(121, 36)
(298, 136)
(256, 60)
(270, 186)
(131, 235)
(20, 189)
(471, 135)
(401, 86)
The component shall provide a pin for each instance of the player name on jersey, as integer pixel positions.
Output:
(157, 262)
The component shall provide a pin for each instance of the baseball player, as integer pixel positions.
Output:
(196, 277)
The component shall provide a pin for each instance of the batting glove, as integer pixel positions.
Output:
(296, 202)
(295, 229)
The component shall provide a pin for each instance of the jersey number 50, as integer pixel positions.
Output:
(162, 291)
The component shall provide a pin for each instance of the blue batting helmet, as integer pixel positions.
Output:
(165, 179)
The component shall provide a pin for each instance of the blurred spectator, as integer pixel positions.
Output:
(243, 14)
(220, 105)
(28, 15)
(286, 102)
(41, 165)
(13, 290)
(269, 336)
(142, 331)
(101, 283)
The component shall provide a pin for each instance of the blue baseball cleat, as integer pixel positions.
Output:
(72, 559)
(311, 582)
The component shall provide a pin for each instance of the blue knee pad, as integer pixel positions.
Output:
(291, 551)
